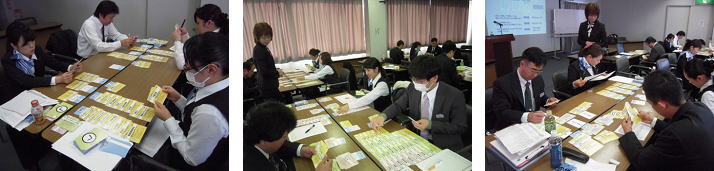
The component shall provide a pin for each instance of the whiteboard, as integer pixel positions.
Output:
(567, 21)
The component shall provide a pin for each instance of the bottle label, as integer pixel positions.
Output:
(556, 155)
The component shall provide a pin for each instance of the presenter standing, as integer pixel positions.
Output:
(592, 31)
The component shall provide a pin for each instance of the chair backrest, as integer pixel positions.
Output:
(64, 43)
(344, 75)
(559, 79)
(672, 57)
(490, 116)
(620, 47)
(622, 64)
(29, 21)
(663, 64)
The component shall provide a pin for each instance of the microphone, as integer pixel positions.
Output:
(499, 24)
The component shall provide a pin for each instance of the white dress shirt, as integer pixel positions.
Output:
(676, 43)
(89, 41)
(378, 90)
(320, 73)
(522, 82)
(207, 128)
(178, 50)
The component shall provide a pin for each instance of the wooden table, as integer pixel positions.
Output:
(601, 105)
(138, 83)
(334, 130)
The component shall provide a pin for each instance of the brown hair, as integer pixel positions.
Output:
(262, 29)
(326, 58)
(594, 51)
(592, 9)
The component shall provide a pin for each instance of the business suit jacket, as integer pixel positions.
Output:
(448, 120)
(448, 71)
(598, 34)
(656, 53)
(684, 142)
(267, 74)
(508, 99)
(576, 72)
(19, 81)
(254, 160)
(436, 50)
(668, 48)
(397, 55)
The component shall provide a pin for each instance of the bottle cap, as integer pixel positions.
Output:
(35, 103)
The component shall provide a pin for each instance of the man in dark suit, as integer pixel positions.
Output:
(518, 95)
(684, 140)
(584, 67)
(433, 49)
(438, 109)
(265, 135)
(657, 51)
(24, 63)
(396, 53)
(448, 65)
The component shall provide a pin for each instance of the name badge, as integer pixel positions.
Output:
(542, 94)
(439, 116)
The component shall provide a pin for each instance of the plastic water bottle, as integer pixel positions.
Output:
(36, 111)
(549, 121)
(556, 150)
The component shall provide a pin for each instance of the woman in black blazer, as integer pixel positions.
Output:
(592, 31)
(264, 62)
(585, 66)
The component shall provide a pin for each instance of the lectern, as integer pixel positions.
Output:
(498, 50)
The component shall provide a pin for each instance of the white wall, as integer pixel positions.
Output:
(545, 42)
(375, 28)
(146, 18)
(637, 19)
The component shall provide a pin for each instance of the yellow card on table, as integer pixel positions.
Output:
(359, 93)
(632, 113)
(87, 141)
(141, 64)
(139, 48)
(58, 110)
(156, 94)
(320, 152)
(605, 136)
(136, 133)
(346, 123)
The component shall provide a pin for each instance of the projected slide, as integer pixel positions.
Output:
(519, 17)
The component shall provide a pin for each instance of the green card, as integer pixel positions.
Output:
(69, 123)
(87, 141)
(58, 110)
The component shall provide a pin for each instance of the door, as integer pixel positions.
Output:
(677, 19)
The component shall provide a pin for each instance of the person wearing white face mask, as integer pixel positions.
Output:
(199, 135)
(438, 109)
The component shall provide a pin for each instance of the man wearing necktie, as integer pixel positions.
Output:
(437, 110)
(98, 33)
(517, 96)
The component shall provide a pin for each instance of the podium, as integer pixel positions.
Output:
(499, 58)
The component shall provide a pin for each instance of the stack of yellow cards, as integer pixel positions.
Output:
(135, 108)
(320, 152)
(632, 113)
(141, 64)
(161, 52)
(155, 58)
(156, 94)
(81, 86)
(122, 56)
(113, 122)
(71, 96)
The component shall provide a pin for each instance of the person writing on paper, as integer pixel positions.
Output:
(438, 110)
(377, 88)
(98, 33)
(684, 140)
(24, 63)
(518, 95)
(657, 50)
(592, 31)
(699, 73)
(325, 73)
(208, 18)
(315, 60)
(584, 67)
(199, 135)
(679, 41)
(265, 137)
(668, 44)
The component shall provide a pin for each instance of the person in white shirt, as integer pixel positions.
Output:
(199, 135)
(208, 18)
(325, 71)
(377, 88)
(98, 33)
(679, 40)
(699, 73)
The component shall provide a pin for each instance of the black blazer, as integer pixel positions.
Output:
(255, 160)
(508, 104)
(448, 120)
(436, 50)
(250, 87)
(684, 142)
(397, 55)
(598, 34)
(267, 74)
(19, 81)
(576, 72)
(668, 48)
(448, 71)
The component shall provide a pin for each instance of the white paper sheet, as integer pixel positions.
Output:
(94, 159)
(154, 138)
(299, 132)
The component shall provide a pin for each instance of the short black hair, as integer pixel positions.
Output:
(314, 52)
(424, 67)
(372, 63)
(697, 66)
(663, 85)
(433, 39)
(535, 55)
(14, 32)
(248, 64)
(692, 43)
(207, 48)
(448, 46)
(213, 13)
(669, 36)
(105, 8)
(681, 33)
(268, 121)
(400, 42)
(650, 39)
